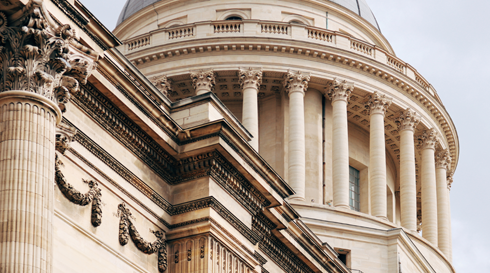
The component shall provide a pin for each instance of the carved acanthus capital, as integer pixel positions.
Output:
(340, 89)
(64, 136)
(428, 139)
(162, 83)
(408, 120)
(450, 180)
(378, 103)
(296, 81)
(39, 56)
(203, 80)
(443, 159)
(250, 78)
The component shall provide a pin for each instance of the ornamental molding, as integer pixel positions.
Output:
(443, 159)
(250, 78)
(284, 257)
(203, 80)
(408, 120)
(41, 56)
(64, 136)
(296, 81)
(163, 84)
(428, 139)
(128, 230)
(93, 196)
(378, 103)
(450, 180)
(340, 89)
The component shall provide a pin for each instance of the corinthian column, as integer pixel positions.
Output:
(295, 84)
(407, 122)
(250, 81)
(377, 104)
(449, 183)
(38, 74)
(203, 81)
(339, 93)
(443, 161)
(428, 141)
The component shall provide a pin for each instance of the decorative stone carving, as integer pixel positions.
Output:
(378, 103)
(250, 78)
(203, 81)
(64, 136)
(41, 57)
(128, 230)
(340, 89)
(93, 196)
(296, 81)
(408, 120)
(163, 84)
(450, 180)
(443, 159)
(428, 139)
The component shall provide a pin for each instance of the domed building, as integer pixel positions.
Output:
(242, 136)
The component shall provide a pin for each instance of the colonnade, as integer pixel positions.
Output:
(434, 165)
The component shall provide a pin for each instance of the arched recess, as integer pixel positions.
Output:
(294, 18)
(174, 22)
(242, 13)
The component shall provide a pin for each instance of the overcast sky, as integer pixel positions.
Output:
(448, 42)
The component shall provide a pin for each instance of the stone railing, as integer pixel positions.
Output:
(227, 27)
(180, 32)
(275, 28)
(267, 29)
(362, 47)
(138, 42)
(320, 35)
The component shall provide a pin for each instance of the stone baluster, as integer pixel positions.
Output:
(407, 122)
(296, 84)
(427, 143)
(203, 81)
(339, 93)
(443, 162)
(250, 81)
(40, 72)
(377, 105)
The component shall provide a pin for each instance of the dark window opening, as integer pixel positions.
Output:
(234, 18)
(343, 257)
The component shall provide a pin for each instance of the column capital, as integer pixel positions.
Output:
(407, 120)
(378, 103)
(340, 89)
(296, 81)
(203, 80)
(162, 83)
(250, 77)
(443, 159)
(428, 139)
(450, 180)
(41, 56)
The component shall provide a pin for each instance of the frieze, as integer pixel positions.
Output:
(282, 255)
(93, 196)
(128, 230)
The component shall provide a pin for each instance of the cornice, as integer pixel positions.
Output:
(417, 91)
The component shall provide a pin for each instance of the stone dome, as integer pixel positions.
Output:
(359, 7)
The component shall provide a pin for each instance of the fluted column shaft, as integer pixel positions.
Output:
(407, 122)
(429, 191)
(377, 154)
(339, 93)
(443, 160)
(27, 145)
(250, 81)
(203, 81)
(296, 84)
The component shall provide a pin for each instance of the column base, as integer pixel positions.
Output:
(342, 207)
(296, 198)
(382, 218)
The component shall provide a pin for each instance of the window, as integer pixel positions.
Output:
(234, 18)
(354, 189)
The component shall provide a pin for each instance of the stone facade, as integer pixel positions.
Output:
(217, 136)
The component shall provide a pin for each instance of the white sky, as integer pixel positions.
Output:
(448, 42)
